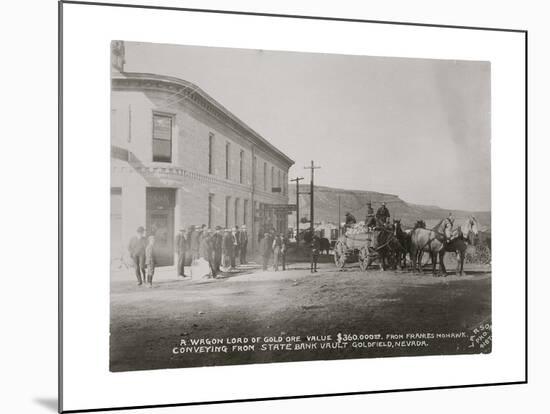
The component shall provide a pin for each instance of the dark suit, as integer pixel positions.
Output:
(315, 249)
(217, 240)
(243, 244)
(181, 248)
(136, 247)
(194, 244)
(236, 247)
(284, 247)
(227, 249)
(382, 215)
(277, 246)
(370, 221)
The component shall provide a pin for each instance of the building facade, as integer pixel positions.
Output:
(179, 158)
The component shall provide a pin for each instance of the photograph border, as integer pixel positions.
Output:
(276, 15)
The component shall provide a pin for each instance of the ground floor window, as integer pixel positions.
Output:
(210, 210)
(236, 212)
(245, 212)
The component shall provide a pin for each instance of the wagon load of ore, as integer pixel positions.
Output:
(357, 229)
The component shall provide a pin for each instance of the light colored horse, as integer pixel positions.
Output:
(430, 241)
(434, 242)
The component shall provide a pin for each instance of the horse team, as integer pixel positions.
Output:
(390, 245)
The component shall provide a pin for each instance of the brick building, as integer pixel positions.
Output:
(179, 158)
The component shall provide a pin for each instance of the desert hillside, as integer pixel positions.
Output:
(354, 201)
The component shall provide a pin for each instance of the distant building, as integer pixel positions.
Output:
(328, 230)
(179, 158)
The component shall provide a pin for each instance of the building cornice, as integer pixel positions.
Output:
(179, 174)
(181, 90)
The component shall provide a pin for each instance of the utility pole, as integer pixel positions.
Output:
(339, 214)
(297, 179)
(313, 167)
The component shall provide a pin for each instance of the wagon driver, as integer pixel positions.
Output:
(350, 221)
(370, 221)
(382, 214)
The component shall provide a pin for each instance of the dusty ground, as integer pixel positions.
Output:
(146, 324)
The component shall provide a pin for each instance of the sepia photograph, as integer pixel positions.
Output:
(273, 206)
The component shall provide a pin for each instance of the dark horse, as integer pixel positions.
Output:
(462, 235)
(324, 244)
(404, 240)
(386, 247)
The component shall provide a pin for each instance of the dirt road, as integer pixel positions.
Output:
(147, 324)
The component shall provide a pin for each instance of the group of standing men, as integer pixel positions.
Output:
(142, 252)
(276, 244)
(219, 247)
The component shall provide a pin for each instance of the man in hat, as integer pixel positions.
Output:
(350, 221)
(265, 249)
(136, 248)
(277, 246)
(181, 249)
(236, 246)
(243, 244)
(217, 240)
(194, 243)
(150, 260)
(227, 248)
(284, 248)
(204, 248)
(370, 220)
(382, 215)
(207, 250)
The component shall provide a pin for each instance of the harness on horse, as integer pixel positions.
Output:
(390, 239)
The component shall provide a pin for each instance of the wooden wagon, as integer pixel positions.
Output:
(352, 247)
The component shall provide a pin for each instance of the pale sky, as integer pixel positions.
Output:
(417, 128)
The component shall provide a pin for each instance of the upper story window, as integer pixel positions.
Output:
(254, 168)
(265, 176)
(272, 177)
(227, 149)
(211, 153)
(162, 138)
(241, 166)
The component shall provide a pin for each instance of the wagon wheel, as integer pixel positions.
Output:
(339, 255)
(363, 259)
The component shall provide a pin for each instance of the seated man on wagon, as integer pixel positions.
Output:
(382, 215)
(370, 220)
(350, 221)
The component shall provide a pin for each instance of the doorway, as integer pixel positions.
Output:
(160, 222)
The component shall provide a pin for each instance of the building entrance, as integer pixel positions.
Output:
(160, 222)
